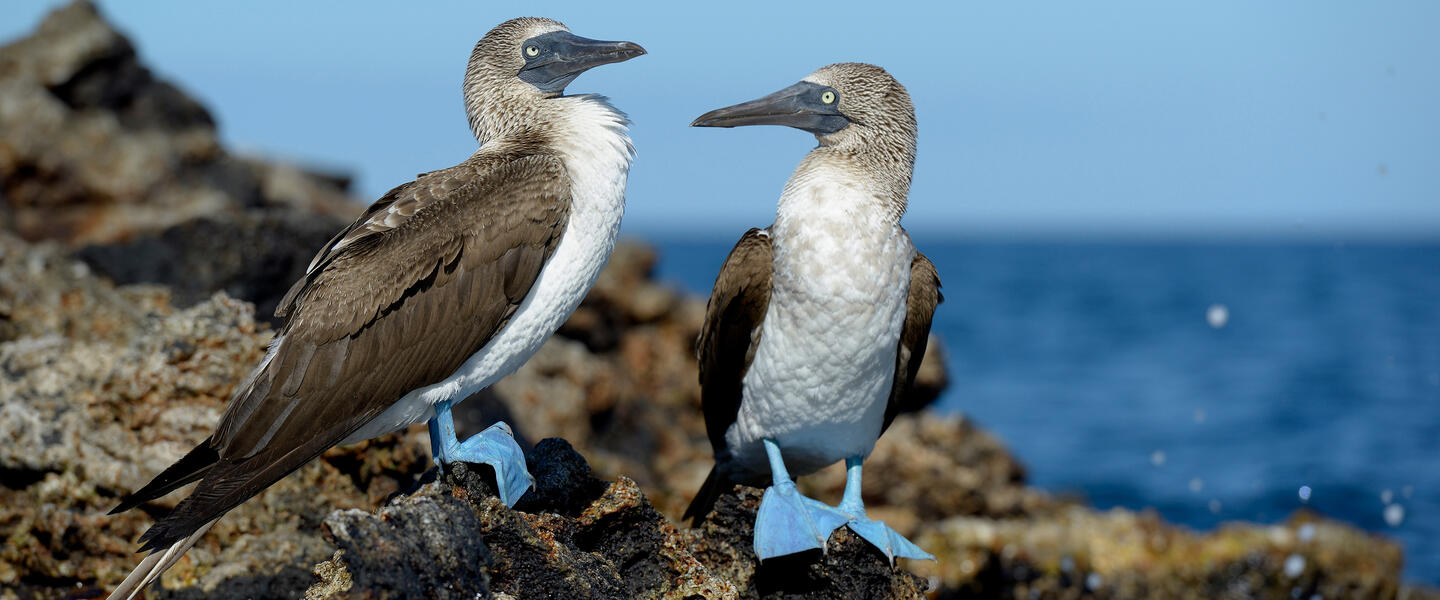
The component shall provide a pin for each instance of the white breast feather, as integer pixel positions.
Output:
(822, 373)
(597, 153)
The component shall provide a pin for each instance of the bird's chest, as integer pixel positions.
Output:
(842, 289)
(825, 360)
(597, 162)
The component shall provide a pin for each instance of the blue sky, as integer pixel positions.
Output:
(1287, 118)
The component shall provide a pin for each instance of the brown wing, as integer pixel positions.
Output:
(733, 320)
(915, 333)
(458, 249)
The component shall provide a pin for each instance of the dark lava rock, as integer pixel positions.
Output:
(425, 547)
(252, 256)
(849, 567)
(615, 546)
(563, 480)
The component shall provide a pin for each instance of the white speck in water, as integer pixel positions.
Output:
(1304, 493)
(1196, 485)
(1387, 496)
(1067, 564)
(1199, 415)
(1294, 566)
(1217, 315)
(1394, 515)
(1317, 597)
(1407, 491)
(1093, 581)
(1215, 506)
(967, 566)
(1306, 532)
(1157, 458)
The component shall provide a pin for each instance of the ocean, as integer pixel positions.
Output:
(1210, 381)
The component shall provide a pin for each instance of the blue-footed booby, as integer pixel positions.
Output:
(817, 324)
(443, 286)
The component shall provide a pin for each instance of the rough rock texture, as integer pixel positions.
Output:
(577, 537)
(1078, 552)
(849, 568)
(254, 256)
(103, 385)
(95, 148)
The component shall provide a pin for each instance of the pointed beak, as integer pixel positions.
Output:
(799, 106)
(567, 55)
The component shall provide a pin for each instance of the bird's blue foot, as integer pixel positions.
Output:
(877, 533)
(887, 540)
(789, 522)
(495, 446)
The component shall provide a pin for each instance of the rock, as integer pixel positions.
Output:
(425, 547)
(94, 148)
(103, 387)
(849, 568)
(618, 546)
(563, 481)
(1122, 554)
(253, 256)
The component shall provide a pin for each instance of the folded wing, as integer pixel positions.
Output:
(396, 302)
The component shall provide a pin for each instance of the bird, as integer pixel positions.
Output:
(443, 286)
(817, 324)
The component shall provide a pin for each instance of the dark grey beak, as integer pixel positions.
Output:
(801, 106)
(562, 56)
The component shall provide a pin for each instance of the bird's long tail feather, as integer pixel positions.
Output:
(710, 491)
(150, 569)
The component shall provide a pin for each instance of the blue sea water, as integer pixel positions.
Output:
(1110, 370)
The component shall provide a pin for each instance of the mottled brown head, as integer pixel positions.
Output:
(522, 63)
(874, 103)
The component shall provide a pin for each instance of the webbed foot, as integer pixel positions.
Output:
(495, 446)
(789, 522)
(887, 540)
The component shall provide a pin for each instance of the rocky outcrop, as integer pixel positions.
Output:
(103, 386)
(134, 251)
(95, 148)
(578, 537)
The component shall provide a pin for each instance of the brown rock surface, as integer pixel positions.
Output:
(95, 148)
(1079, 552)
(102, 388)
(454, 539)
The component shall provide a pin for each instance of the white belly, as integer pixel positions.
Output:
(598, 162)
(825, 364)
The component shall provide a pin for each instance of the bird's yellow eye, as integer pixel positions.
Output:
(828, 97)
(532, 51)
